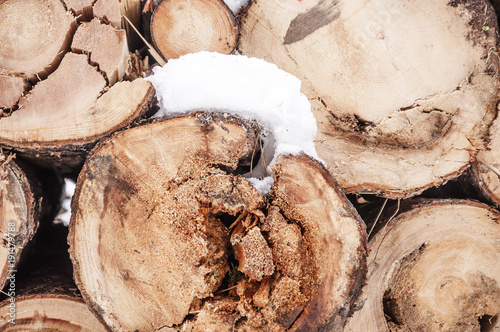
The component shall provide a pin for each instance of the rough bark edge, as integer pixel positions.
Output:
(70, 154)
(34, 198)
(357, 279)
(45, 270)
(475, 178)
(392, 193)
(93, 307)
(43, 190)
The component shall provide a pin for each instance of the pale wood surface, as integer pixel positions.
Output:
(437, 264)
(402, 92)
(180, 27)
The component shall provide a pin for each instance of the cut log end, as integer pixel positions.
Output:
(49, 313)
(189, 226)
(396, 115)
(486, 167)
(106, 46)
(41, 295)
(433, 268)
(33, 35)
(179, 27)
(65, 134)
(61, 113)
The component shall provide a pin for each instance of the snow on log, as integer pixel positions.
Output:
(403, 93)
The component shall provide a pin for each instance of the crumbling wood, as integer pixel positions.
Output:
(160, 221)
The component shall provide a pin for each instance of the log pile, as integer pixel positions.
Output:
(167, 232)
(59, 70)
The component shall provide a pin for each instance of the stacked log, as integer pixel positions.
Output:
(61, 68)
(162, 230)
(45, 297)
(23, 203)
(486, 167)
(179, 27)
(433, 268)
(396, 115)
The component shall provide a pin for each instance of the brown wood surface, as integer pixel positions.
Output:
(47, 298)
(173, 231)
(181, 27)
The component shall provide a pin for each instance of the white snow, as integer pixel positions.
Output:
(236, 5)
(65, 215)
(249, 87)
(264, 185)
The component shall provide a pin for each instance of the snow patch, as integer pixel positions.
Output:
(249, 87)
(236, 5)
(64, 215)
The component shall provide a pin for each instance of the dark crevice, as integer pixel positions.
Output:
(245, 165)
(95, 65)
(239, 322)
(322, 102)
(391, 309)
(487, 323)
(226, 219)
(433, 110)
(394, 296)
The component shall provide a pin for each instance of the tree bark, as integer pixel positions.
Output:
(403, 93)
(46, 297)
(177, 240)
(433, 268)
(21, 205)
(27, 195)
(486, 167)
(179, 27)
(65, 92)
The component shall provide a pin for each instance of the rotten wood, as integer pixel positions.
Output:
(161, 220)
